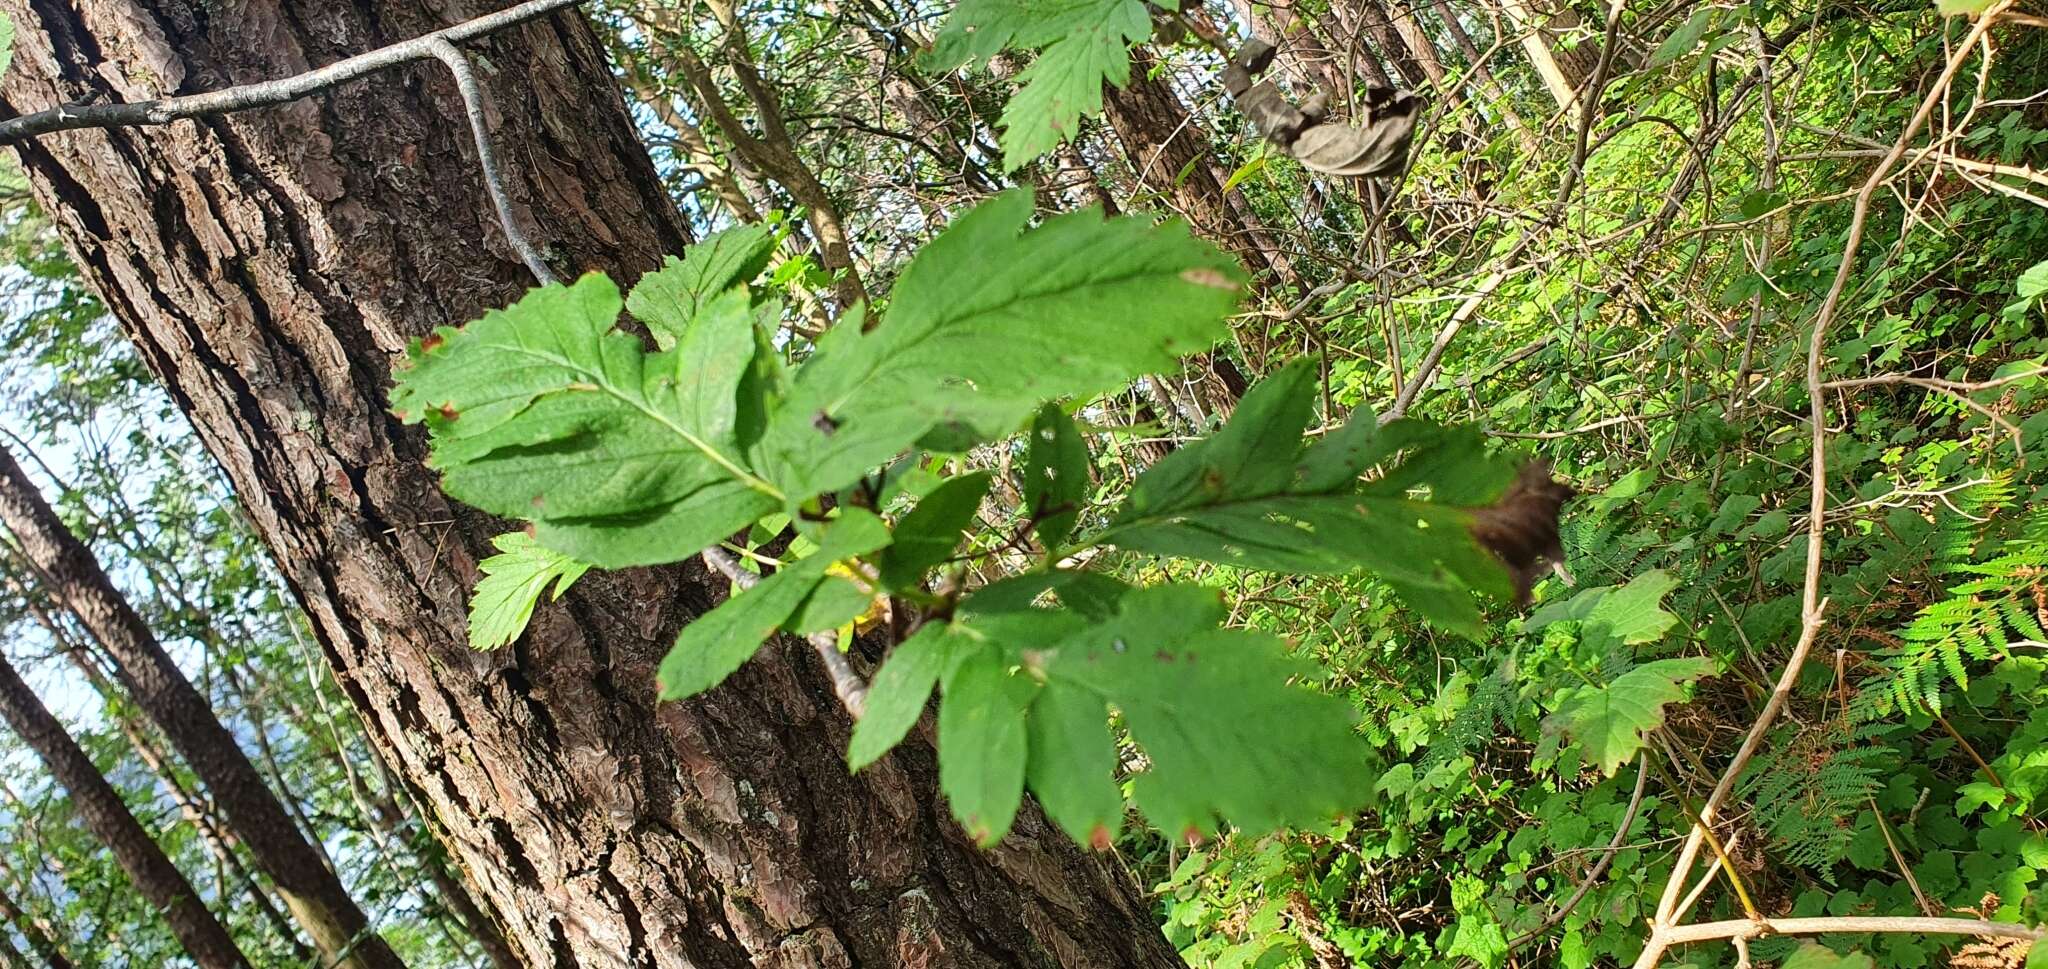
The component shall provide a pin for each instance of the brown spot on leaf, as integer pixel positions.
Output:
(1212, 278)
(432, 342)
(448, 412)
(825, 424)
(1521, 528)
(1099, 839)
(1193, 836)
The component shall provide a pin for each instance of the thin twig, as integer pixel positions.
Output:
(1664, 933)
(1628, 818)
(266, 93)
(1747, 929)
(475, 104)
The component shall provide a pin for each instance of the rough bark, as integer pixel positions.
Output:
(269, 267)
(1170, 155)
(100, 807)
(73, 577)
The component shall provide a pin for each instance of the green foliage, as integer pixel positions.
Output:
(1811, 955)
(713, 645)
(988, 322)
(515, 579)
(620, 456)
(545, 411)
(1610, 721)
(1080, 43)
(1252, 496)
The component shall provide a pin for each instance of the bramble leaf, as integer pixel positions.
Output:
(989, 321)
(1630, 615)
(1609, 721)
(1813, 955)
(713, 645)
(514, 580)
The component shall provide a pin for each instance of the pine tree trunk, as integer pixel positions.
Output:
(100, 807)
(270, 266)
(73, 577)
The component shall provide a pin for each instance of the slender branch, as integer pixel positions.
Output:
(266, 93)
(475, 103)
(1628, 819)
(1664, 932)
(1747, 929)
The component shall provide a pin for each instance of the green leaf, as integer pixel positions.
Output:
(1683, 39)
(6, 42)
(1631, 615)
(513, 581)
(991, 320)
(1072, 764)
(1085, 42)
(2037, 957)
(1958, 8)
(1226, 736)
(834, 603)
(982, 744)
(713, 645)
(897, 695)
(1813, 955)
(544, 411)
(1250, 496)
(2034, 281)
(669, 299)
(1055, 475)
(929, 534)
(1609, 721)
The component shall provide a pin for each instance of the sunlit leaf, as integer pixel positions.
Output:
(514, 580)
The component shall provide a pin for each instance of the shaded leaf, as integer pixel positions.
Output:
(982, 744)
(1055, 475)
(1250, 496)
(897, 695)
(929, 534)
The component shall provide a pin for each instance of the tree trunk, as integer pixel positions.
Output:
(269, 267)
(73, 577)
(39, 941)
(100, 807)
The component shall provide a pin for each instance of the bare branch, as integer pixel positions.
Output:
(266, 93)
(474, 104)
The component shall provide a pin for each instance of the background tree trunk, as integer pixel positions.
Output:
(109, 820)
(39, 941)
(269, 267)
(302, 872)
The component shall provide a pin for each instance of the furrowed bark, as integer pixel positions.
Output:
(270, 267)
